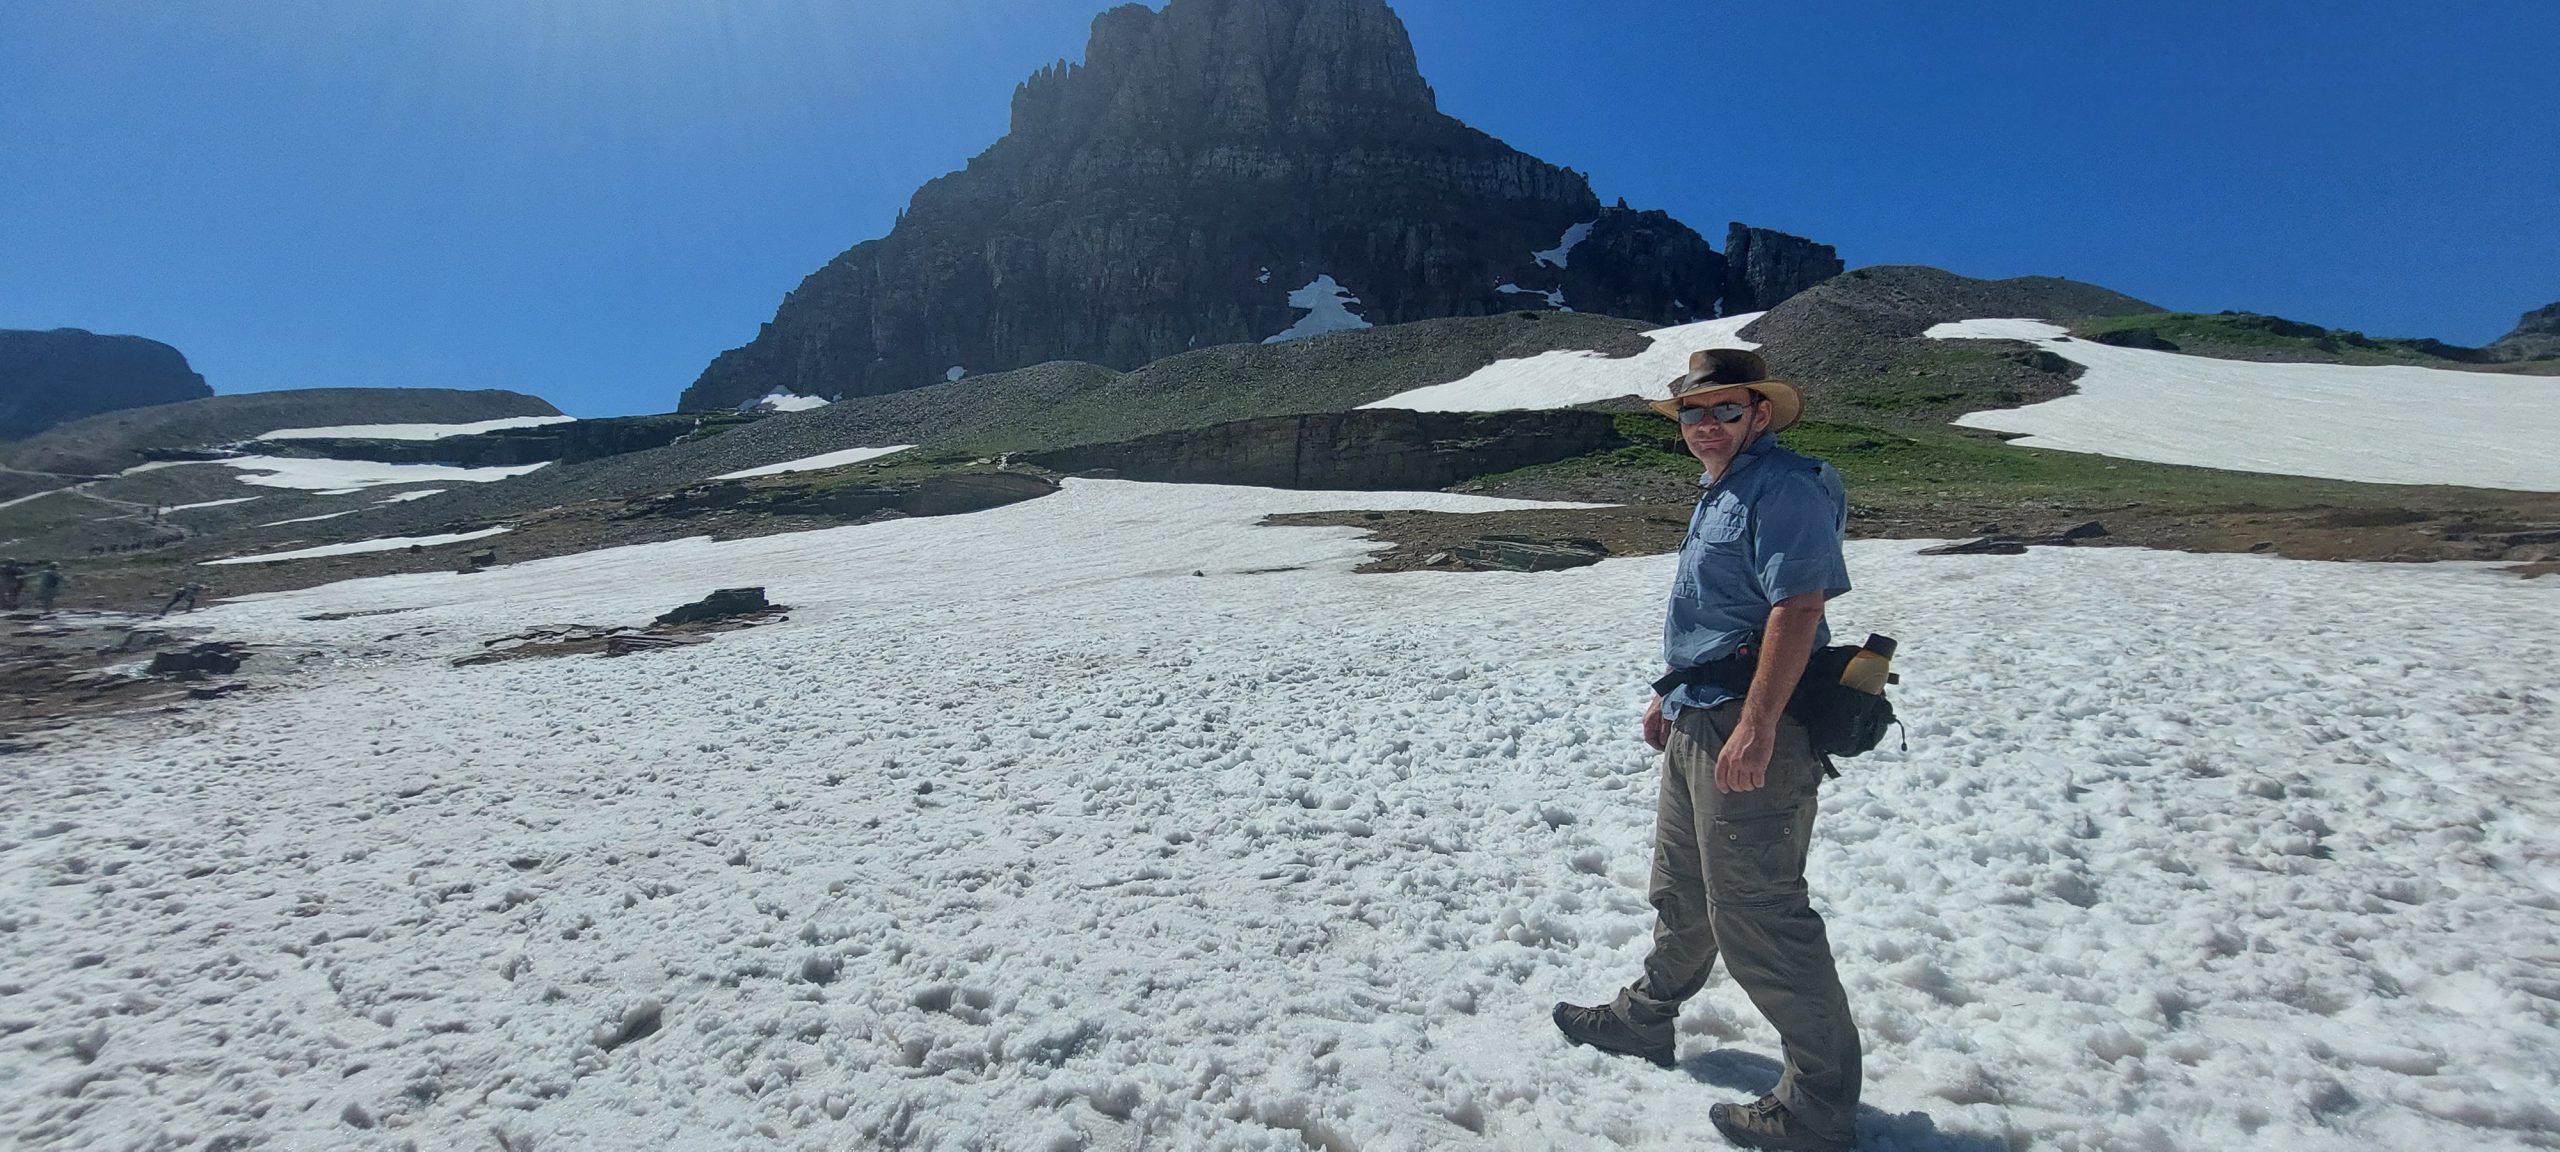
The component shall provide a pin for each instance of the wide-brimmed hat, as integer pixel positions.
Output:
(1717, 369)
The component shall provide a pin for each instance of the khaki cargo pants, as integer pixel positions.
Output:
(1746, 900)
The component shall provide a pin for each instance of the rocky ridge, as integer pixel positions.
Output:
(1210, 174)
(1763, 268)
(2536, 337)
(57, 376)
(1854, 342)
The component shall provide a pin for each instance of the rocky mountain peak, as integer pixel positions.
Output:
(1218, 172)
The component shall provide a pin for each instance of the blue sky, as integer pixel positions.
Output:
(588, 199)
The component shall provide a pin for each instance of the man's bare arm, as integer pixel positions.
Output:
(1784, 648)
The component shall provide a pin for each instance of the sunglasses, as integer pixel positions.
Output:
(1728, 412)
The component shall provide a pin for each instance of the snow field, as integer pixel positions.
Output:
(1019, 835)
(1564, 379)
(2382, 424)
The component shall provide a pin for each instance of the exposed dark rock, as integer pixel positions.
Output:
(2537, 336)
(54, 377)
(1173, 190)
(720, 605)
(1527, 554)
(1764, 267)
(1999, 544)
(1363, 450)
(219, 659)
(947, 495)
(2149, 338)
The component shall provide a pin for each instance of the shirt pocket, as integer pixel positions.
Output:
(1724, 523)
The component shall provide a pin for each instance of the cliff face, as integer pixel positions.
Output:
(53, 377)
(2536, 337)
(1763, 267)
(1203, 166)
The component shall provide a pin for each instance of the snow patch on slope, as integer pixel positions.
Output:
(211, 503)
(1554, 296)
(814, 463)
(342, 476)
(410, 431)
(1561, 255)
(2385, 424)
(1564, 379)
(783, 400)
(354, 547)
(1328, 306)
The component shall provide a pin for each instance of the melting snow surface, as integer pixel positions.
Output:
(1328, 308)
(339, 477)
(352, 547)
(410, 431)
(1561, 255)
(814, 463)
(405, 497)
(2385, 425)
(1564, 379)
(1554, 296)
(2187, 851)
(955, 374)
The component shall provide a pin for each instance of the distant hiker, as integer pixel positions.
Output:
(13, 584)
(48, 582)
(1734, 815)
(187, 594)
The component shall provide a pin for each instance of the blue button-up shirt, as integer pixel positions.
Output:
(1769, 529)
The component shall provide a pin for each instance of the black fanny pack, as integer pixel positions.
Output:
(1841, 720)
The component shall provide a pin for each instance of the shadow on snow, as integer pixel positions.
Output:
(1878, 1131)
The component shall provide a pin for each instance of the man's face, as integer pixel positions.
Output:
(1714, 442)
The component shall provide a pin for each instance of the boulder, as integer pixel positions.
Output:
(215, 659)
(721, 605)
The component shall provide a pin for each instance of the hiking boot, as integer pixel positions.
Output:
(1765, 1123)
(1600, 1028)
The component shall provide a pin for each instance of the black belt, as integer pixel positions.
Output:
(1731, 672)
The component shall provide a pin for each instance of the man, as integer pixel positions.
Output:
(48, 582)
(13, 581)
(1736, 807)
(186, 594)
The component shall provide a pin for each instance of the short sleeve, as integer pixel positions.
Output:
(1798, 523)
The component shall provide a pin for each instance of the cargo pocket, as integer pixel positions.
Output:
(1754, 858)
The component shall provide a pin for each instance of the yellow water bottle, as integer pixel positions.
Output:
(1869, 669)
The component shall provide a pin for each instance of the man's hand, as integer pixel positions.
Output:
(1743, 765)
(1657, 731)
(1785, 645)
